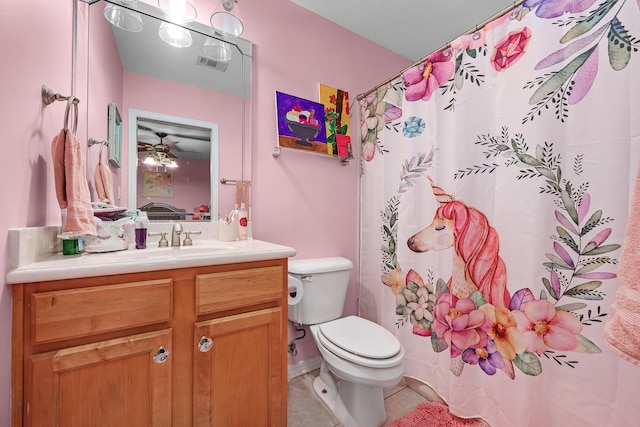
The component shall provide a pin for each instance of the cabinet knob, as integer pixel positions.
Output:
(161, 355)
(205, 344)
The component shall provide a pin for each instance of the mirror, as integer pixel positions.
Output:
(184, 88)
(176, 168)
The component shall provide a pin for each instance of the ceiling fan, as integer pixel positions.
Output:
(161, 149)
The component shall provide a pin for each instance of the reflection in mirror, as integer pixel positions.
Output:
(177, 166)
(207, 83)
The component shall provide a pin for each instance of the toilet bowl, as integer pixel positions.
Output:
(352, 379)
(358, 357)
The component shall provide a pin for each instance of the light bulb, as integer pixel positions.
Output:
(149, 160)
(179, 10)
(175, 35)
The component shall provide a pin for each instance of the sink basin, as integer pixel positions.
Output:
(203, 248)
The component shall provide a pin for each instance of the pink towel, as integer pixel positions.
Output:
(71, 185)
(104, 183)
(622, 330)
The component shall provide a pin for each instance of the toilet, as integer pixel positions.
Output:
(359, 357)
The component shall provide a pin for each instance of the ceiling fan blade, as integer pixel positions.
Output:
(197, 137)
(171, 143)
(144, 146)
(187, 151)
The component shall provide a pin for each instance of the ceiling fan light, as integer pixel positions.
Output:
(122, 18)
(226, 19)
(150, 160)
(175, 35)
(172, 164)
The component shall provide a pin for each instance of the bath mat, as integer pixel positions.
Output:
(428, 414)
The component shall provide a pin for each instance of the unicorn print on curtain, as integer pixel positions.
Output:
(496, 178)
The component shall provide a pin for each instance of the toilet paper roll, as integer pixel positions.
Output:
(295, 290)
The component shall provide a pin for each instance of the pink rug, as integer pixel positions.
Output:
(428, 414)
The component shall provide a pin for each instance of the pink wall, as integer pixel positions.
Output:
(191, 102)
(37, 51)
(300, 200)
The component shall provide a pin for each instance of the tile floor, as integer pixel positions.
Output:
(305, 409)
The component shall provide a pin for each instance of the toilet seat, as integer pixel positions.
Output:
(361, 341)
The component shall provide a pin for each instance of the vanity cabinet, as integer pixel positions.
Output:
(201, 346)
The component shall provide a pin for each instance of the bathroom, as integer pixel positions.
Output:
(297, 199)
(296, 189)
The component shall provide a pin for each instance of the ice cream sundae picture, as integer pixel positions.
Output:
(300, 122)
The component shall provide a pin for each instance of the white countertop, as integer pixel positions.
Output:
(202, 253)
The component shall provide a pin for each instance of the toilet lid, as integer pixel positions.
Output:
(361, 337)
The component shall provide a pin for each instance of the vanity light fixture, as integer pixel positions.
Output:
(178, 10)
(123, 18)
(175, 35)
(226, 20)
(217, 49)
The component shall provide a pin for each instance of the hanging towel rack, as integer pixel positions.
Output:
(92, 141)
(49, 96)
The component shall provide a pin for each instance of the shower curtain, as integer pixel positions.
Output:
(496, 179)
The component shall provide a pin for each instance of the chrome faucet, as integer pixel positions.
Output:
(175, 234)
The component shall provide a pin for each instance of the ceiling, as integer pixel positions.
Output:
(193, 142)
(411, 28)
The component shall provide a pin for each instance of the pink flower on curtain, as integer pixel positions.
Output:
(460, 324)
(544, 327)
(504, 330)
(421, 81)
(510, 49)
(553, 8)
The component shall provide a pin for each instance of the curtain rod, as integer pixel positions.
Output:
(420, 61)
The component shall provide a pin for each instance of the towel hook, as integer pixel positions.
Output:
(71, 101)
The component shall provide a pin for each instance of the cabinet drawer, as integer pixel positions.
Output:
(73, 313)
(235, 289)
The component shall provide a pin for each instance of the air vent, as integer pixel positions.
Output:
(212, 63)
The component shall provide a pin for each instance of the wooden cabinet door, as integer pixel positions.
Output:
(119, 382)
(238, 371)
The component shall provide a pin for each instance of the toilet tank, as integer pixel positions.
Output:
(324, 284)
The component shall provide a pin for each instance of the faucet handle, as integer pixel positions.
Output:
(187, 238)
(163, 243)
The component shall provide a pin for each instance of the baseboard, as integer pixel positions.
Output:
(303, 367)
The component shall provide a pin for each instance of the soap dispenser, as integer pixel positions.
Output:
(243, 222)
(142, 224)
